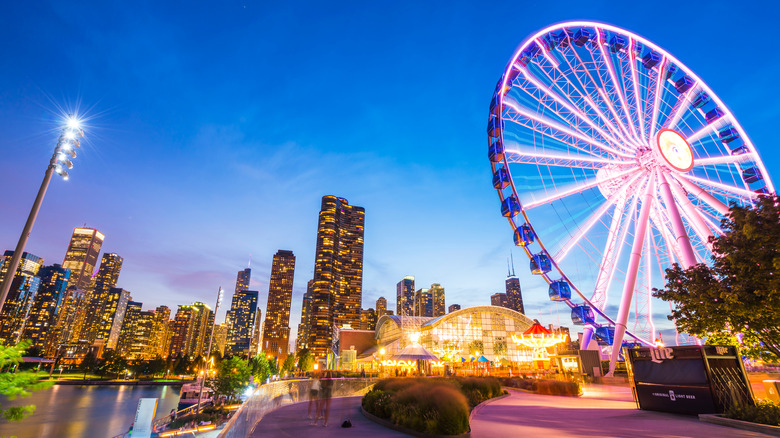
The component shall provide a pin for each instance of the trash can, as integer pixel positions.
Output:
(772, 388)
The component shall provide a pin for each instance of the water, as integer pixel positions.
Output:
(85, 411)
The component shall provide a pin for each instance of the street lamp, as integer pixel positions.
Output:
(208, 352)
(66, 147)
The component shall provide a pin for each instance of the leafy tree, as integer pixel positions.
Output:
(182, 365)
(305, 360)
(89, 363)
(231, 378)
(260, 367)
(740, 293)
(289, 364)
(17, 384)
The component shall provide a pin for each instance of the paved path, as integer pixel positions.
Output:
(603, 411)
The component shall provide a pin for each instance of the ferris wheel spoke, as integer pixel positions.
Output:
(593, 182)
(616, 86)
(594, 218)
(519, 156)
(725, 159)
(657, 219)
(678, 228)
(561, 129)
(703, 131)
(702, 194)
(720, 186)
(618, 230)
(691, 215)
(679, 108)
(566, 104)
(635, 82)
(659, 91)
(617, 126)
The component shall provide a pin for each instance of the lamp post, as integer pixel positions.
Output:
(66, 146)
(208, 351)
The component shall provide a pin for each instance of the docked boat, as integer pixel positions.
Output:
(189, 395)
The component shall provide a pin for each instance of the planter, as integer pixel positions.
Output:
(391, 425)
(739, 424)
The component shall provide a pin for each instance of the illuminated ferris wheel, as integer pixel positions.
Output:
(612, 161)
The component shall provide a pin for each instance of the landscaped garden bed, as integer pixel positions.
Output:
(435, 406)
(545, 386)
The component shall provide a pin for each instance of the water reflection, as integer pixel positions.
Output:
(85, 411)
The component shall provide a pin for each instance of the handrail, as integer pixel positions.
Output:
(274, 395)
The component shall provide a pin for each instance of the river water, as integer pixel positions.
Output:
(85, 411)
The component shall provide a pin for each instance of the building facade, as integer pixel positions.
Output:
(102, 301)
(338, 272)
(423, 302)
(82, 255)
(191, 330)
(240, 322)
(24, 287)
(514, 295)
(437, 295)
(302, 340)
(381, 307)
(499, 299)
(404, 303)
(46, 306)
(453, 308)
(276, 330)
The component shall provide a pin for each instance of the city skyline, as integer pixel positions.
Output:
(194, 239)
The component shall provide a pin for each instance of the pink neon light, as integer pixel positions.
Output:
(594, 182)
(618, 88)
(566, 158)
(632, 61)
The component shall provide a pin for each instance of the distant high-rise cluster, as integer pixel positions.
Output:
(429, 301)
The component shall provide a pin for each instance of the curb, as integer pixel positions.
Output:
(485, 403)
(397, 428)
(739, 424)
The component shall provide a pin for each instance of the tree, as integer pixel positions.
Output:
(740, 293)
(231, 378)
(305, 360)
(289, 364)
(261, 367)
(17, 384)
(89, 363)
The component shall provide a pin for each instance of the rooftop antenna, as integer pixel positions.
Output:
(249, 265)
(508, 272)
(513, 262)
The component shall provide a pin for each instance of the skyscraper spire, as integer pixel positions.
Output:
(513, 262)
(508, 271)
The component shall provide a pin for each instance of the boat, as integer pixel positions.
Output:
(189, 395)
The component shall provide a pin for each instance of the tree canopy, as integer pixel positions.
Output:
(231, 378)
(17, 384)
(740, 293)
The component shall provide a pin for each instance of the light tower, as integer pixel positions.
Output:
(60, 160)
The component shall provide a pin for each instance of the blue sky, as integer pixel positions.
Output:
(215, 128)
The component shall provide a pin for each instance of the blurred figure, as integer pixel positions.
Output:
(326, 392)
(314, 399)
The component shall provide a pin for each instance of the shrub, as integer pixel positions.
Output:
(558, 387)
(764, 412)
(436, 408)
(525, 384)
(377, 402)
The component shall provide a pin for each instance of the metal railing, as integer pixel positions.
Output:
(272, 396)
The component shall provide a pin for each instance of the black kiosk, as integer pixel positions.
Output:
(688, 380)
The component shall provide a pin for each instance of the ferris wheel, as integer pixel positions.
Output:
(612, 161)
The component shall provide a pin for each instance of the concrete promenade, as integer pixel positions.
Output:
(603, 411)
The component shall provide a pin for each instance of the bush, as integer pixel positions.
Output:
(558, 387)
(479, 389)
(377, 402)
(764, 412)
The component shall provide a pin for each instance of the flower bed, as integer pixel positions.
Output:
(436, 406)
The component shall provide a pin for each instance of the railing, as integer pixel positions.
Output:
(272, 396)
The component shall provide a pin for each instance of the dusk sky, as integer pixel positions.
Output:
(214, 130)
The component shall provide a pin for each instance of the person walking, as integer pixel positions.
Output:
(314, 399)
(325, 394)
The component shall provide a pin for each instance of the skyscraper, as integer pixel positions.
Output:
(302, 341)
(46, 305)
(102, 302)
(423, 302)
(82, 255)
(437, 295)
(404, 303)
(242, 279)
(162, 336)
(127, 334)
(368, 319)
(338, 271)
(240, 322)
(453, 308)
(514, 296)
(276, 331)
(499, 299)
(20, 297)
(191, 330)
(381, 307)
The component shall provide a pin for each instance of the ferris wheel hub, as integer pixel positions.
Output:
(674, 149)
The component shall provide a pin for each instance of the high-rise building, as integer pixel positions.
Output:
(513, 294)
(499, 299)
(453, 308)
(24, 286)
(302, 340)
(437, 295)
(220, 339)
(257, 335)
(368, 319)
(103, 302)
(381, 307)
(276, 331)
(82, 255)
(161, 332)
(423, 302)
(240, 322)
(338, 271)
(67, 326)
(404, 303)
(191, 330)
(46, 305)
(127, 333)
(242, 279)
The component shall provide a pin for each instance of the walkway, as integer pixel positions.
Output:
(603, 411)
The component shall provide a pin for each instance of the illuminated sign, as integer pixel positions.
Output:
(409, 363)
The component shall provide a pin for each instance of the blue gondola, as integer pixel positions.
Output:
(581, 37)
(728, 134)
(565, 35)
(494, 106)
(740, 150)
(582, 314)
(496, 151)
(650, 59)
(605, 334)
(500, 179)
(524, 235)
(684, 84)
(674, 74)
(540, 264)
(713, 115)
(703, 102)
(751, 175)
(616, 43)
(510, 206)
(495, 125)
(559, 290)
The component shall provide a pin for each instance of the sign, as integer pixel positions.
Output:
(144, 416)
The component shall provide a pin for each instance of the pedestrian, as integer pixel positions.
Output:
(362, 372)
(314, 399)
(326, 393)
